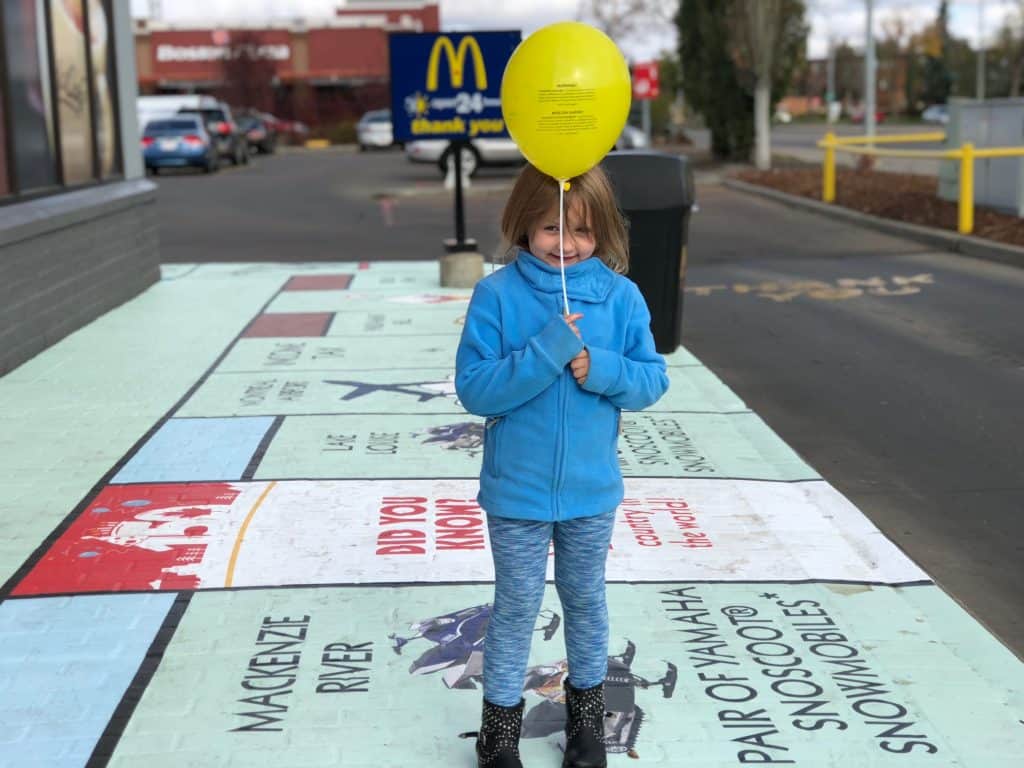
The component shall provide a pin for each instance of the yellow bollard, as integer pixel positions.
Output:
(828, 189)
(966, 218)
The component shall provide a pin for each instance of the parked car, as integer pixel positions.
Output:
(291, 131)
(936, 113)
(857, 116)
(496, 151)
(632, 138)
(260, 132)
(149, 108)
(179, 142)
(230, 141)
(374, 129)
(782, 116)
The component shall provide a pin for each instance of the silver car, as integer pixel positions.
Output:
(496, 151)
(374, 129)
(936, 113)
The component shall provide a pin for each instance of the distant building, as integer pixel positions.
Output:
(811, 86)
(314, 70)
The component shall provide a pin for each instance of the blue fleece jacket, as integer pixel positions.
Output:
(550, 444)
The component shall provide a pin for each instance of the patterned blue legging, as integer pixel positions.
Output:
(520, 551)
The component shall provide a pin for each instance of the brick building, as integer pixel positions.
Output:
(315, 70)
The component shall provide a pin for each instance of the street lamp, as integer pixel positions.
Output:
(979, 87)
(869, 73)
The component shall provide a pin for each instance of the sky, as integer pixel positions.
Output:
(841, 19)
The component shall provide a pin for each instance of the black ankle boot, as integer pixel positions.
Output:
(584, 727)
(497, 741)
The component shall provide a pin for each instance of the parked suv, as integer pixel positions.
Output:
(230, 140)
(260, 131)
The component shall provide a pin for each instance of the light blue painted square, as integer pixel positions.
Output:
(65, 663)
(185, 450)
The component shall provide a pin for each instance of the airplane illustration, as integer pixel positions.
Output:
(422, 390)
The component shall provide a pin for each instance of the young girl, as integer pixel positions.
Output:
(552, 387)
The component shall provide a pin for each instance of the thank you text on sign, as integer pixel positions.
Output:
(448, 86)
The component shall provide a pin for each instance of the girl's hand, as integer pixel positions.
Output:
(570, 320)
(581, 366)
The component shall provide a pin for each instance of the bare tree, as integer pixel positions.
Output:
(757, 28)
(623, 19)
(246, 74)
(895, 30)
(1017, 73)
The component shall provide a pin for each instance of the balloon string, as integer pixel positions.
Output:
(561, 241)
(561, 248)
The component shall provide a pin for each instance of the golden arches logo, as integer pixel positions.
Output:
(456, 62)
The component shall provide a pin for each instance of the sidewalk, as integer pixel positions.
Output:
(240, 530)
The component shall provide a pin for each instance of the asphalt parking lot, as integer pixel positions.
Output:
(322, 205)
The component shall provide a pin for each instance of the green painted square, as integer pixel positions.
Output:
(698, 677)
(400, 321)
(708, 445)
(357, 446)
(339, 354)
(425, 390)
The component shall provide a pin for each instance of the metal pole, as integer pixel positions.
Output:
(645, 115)
(828, 181)
(965, 208)
(830, 93)
(979, 87)
(460, 216)
(460, 243)
(869, 73)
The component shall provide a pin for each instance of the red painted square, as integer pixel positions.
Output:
(318, 283)
(134, 537)
(289, 324)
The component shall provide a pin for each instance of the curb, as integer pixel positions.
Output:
(317, 148)
(965, 245)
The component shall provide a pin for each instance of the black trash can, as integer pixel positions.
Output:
(655, 192)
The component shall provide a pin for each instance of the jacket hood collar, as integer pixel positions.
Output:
(590, 280)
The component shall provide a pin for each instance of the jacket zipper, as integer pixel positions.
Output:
(489, 427)
(560, 444)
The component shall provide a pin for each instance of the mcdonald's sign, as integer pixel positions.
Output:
(456, 61)
(447, 86)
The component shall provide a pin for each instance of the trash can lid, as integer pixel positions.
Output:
(646, 180)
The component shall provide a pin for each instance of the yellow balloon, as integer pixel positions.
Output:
(565, 97)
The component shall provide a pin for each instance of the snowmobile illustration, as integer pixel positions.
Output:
(459, 650)
(623, 715)
(458, 654)
(467, 436)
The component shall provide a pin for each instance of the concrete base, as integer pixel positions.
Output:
(461, 270)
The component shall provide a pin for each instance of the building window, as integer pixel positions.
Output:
(74, 112)
(29, 114)
(104, 88)
(59, 112)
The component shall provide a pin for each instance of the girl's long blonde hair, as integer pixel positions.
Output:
(535, 193)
